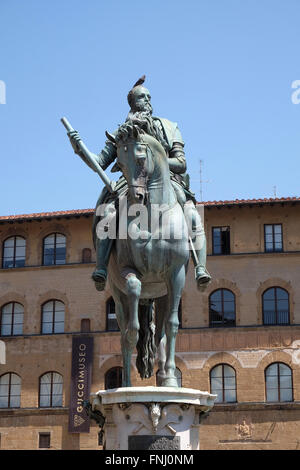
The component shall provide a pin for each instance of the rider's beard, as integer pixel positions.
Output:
(143, 107)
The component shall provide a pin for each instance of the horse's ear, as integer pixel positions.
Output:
(110, 137)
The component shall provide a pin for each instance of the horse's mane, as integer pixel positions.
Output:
(140, 123)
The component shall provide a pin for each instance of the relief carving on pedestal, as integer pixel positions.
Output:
(153, 417)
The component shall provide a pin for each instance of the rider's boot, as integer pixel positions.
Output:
(103, 249)
(198, 239)
(202, 276)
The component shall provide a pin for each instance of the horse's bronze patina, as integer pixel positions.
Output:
(151, 267)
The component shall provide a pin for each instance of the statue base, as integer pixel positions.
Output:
(151, 418)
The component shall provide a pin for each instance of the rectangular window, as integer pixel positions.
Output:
(273, 238)
(221, 240)
(44, 440)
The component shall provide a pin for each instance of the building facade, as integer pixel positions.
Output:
(240, 338)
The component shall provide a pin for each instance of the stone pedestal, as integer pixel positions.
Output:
(151, 418)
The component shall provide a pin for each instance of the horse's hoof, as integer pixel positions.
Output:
(170, 382)
(160, 379)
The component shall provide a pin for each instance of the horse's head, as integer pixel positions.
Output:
(134, 160)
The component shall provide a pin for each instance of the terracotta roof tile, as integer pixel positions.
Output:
(79, 212)
(251, 201)
(45, 215)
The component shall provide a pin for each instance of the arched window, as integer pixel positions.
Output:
(178, 376)
(222, 308)
(86, 255)
(10, 390)
(223, 383)
(276, 306)
(14, 249)
(279, 386)
(111, 318)
(12, 319)
(113, 378)
(54, 249)
(51, 390)
(53, 317)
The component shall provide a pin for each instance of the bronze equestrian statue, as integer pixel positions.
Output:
(147, 271)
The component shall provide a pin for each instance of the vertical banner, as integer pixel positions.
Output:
(82, 361)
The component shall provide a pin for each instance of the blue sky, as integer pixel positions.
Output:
(222, 69)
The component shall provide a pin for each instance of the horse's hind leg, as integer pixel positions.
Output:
(161, 306)
(175, 284)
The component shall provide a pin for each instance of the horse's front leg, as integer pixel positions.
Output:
(121, 305)
(175, 284)
(133, 287)
(161, 306)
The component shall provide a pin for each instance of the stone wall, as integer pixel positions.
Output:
(249, 347)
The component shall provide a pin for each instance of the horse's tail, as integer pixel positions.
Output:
(146, 348)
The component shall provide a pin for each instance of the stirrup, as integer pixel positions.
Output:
(99, 277)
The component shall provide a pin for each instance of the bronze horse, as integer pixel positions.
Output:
(147, 272)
